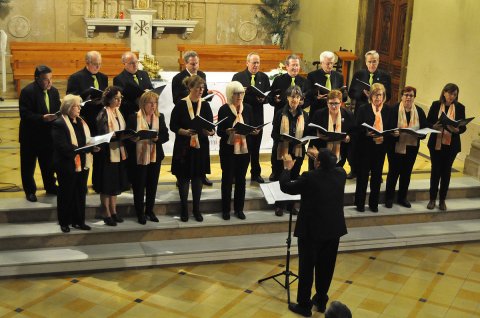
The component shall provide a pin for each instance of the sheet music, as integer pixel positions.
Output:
(272, 193)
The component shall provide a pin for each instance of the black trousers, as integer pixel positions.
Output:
(442, 161)
(315, 259)
(400, 166)
(233, 166)
(183, 185)
(254, 150)
(371, 162)
(28, 160)
(72, 190)
(145, 179)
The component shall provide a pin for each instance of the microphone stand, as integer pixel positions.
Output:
(287, 271)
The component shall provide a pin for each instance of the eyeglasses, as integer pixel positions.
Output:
(96, 64)
(132, 63)
(334, 104)
(409, 95)
(238, 93)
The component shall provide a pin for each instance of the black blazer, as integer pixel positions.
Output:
(365, 114)
(262, 82)
(394, 123)
(432, 118)
(225, 112)
(318, 76)
(180, 91)
(63, 150)
(82, 80)
(277, 121)
(125, 78)
(321, 206)
(282, 83)
(320, 118)
(162, 137)
(33, 130)
(356, 89)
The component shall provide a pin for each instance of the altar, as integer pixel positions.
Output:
(217, 82)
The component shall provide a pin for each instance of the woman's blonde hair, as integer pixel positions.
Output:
(145, 98)
(375, 88)
(68, 102)
(232, 88)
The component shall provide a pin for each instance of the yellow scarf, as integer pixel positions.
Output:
(117, 150)
(378, 124)
(73, 137)
(146, 148)
(445, 137)
(335, 145)
(282, 149)
(194, 142)
(239, 142)
(406, 139)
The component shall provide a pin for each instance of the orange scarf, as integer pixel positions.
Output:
(194, 142)
(406, 139)
(445, 137)
(378, 124)
(335, 145)
(239, 142)
(282, 149)
(73, 137)
(117, 150)
(146, 148)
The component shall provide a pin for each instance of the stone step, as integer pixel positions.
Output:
(48, 234)
(84, 257)
(18, 210)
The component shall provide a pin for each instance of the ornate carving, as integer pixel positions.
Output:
(141, 4)
(247, 31)
(385, 27)
(19, 26)
(402, 17)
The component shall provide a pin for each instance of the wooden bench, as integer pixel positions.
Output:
(63, 58)
(232, 58)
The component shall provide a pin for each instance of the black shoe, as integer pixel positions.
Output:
(83, 227)
(257, 179)
(360, 208)
(109, 221)
(206, 181)
(65, 229)
(198, 217)
(389, 204)
(351, 175)
(31, 197)
(431, 204)
(142, 219)
(117, 218)
(272, 177)
(374, 209)
(151, 217)
(278, 211)
(321, 305)
(240, 215)
(226, 216)
(442, 206)
(184, 217)
(302, 311)
(405, 203)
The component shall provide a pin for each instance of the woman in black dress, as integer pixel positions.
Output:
(69, 132)
(403, 149)
(110, 170)
(191, 157)
(445, 146)
(234, 156)
(145, 156)
(293, 121)
(335, 118)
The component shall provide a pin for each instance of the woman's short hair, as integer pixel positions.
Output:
(147, 97)
(193, 81)
(294, 91)
(338, 310)
(68, 102)
(334, 93)
(375, 88)
(449, 88)
(407, 89)
(109, 94)
(232, 88)
(327, 158)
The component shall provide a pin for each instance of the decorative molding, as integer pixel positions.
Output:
(19, 26)
(247, 31)
(120, 24)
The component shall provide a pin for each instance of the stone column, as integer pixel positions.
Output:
(472, 161)
(141, 30)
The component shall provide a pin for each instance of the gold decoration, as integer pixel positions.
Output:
(152, 67)
(92, 10)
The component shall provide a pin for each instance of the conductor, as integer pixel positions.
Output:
(320, 224)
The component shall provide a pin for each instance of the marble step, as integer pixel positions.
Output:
(86, 257)
(19, 210)
(48, 234)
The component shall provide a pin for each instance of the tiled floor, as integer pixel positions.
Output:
(437, 281)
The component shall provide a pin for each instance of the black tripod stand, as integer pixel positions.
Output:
(287, 271)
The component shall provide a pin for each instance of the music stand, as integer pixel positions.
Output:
(270, 191)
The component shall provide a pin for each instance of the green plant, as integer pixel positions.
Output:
(276, 16)
(2, 2)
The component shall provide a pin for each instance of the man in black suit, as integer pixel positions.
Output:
(277, 97)
(252, 76)
(179, 90)
(358, 93)
(320, 224)
(79, 83)
(326, 77)
(133, 77)
(38, 103)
